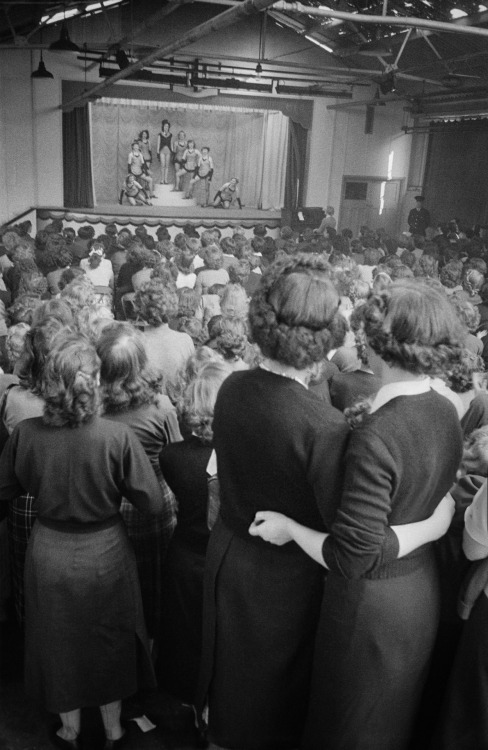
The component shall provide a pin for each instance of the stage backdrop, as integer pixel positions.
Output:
(245, 143)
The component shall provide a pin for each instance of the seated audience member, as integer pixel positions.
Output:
(212, 271)
(234, 302)
(372, 257)
(240, 273)
(168, 351)
(228, 247)
(100, 272)
(85, 639)
(451, 275)
(231, 342)
(23, 309)
(79, 248)
(196, 329)
(60, 259)
(471, 283)
(469, 316)
(132, 394)
(184, 263)
(347, 388)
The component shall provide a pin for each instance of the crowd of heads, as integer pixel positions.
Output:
(292, 298)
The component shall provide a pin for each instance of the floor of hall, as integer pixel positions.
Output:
(24, 725)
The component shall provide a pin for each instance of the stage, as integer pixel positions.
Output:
(173, 217)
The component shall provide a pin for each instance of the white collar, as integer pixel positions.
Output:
(401, 388)
(263, 366)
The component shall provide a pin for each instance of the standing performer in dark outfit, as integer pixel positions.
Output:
(189, 164)
(85, 639)
(276, 443)
(419, 217)
(380, 613)
(165, 150)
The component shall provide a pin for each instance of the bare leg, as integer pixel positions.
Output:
(161, 161)
(111, 720)
(70, 725)
(191, 186)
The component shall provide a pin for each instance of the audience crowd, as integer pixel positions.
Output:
(250, 472)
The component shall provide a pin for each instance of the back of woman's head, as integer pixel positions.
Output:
(293, 313)
(188, 301)
(156, 302)
(231, 341)
(451, 274)
(14, 343)
(126, 379)
(413, 327)
(473, 281)
(53, 308)
(200, 397)
(95, 257)
(213, 257)
(37, 345)
(79, 293)
(70, 382)
(234, 303)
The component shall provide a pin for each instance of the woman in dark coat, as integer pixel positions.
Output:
(278, 445)
(380, 608)
(85, 640)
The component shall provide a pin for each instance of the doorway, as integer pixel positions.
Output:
(372, 202)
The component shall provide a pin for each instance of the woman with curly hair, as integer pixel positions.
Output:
(276, 444)
(132, 395)
(85, 640)
(184, 465)
(380, 608)
(213, 271)
(156, 303)
(231, 342)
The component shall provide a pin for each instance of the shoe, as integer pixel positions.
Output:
(117, 744)
(58, 741)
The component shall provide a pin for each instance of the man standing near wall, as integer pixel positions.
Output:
(419, 217)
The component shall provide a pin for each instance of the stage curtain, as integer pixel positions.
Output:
(275, 144)
(295, 169)
(77, 169)
(234, 139)
(455, 184)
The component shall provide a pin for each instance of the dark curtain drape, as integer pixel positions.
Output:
(295, 168)
(456, 174)
(78, 191)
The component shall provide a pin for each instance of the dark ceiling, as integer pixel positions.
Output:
(433, 66)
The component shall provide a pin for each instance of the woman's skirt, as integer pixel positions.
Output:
(180, 641)
(464, 717)
(373, 649)
(261, 608)
(86, 642)
(150, 537)
(22, 514)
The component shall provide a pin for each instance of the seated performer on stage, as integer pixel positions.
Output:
(134, 192)
(165, 149)
(228, 195)
(138, 168)
(204, 172)
(189, 163)
(179, 148)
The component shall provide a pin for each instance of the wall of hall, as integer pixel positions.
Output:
(339, 147)
(31, 121)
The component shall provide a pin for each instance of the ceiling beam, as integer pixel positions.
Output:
(228, 17)
(148, 24)
(404, 21)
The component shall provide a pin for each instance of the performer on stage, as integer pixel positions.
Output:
(165, 149)
(145, 146)
(138, 168)
(189, 166)
(204, 172)
(228, 195)
(134, 192)
(179, 148)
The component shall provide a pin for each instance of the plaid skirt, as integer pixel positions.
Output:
(150, 537)
(22, 514)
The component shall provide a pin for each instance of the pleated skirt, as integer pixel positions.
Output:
(86, 642)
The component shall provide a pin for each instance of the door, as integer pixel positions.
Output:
(372, 202)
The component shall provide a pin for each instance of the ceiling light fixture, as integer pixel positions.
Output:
(319, 44)
(41, 71)
(64, 43)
